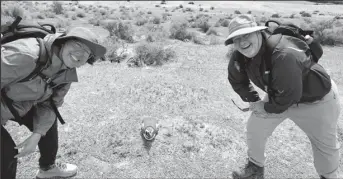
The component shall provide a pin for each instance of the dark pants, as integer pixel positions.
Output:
(48, 146)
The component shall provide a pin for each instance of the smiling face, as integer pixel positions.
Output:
(74, 53)
(248, 44)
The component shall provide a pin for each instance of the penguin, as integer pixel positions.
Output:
(149, 128)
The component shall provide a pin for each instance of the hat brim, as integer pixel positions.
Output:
(97, 50)
(248, 30)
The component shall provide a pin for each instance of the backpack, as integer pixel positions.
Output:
(274, 38)
(19, 30)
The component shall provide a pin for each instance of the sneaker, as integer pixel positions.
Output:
(250, 171)
(58, 170)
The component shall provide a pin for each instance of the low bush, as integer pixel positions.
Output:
(121, 30)
(212, 31)
(156, 20)
(275, 16)
(305, 14)
(237, 12)
(152, 54)
(141, 21)
(179, 31)
(57, 7)
(14, 11)
(81, 14)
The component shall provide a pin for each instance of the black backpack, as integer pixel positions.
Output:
(19, 30)
(274, 38)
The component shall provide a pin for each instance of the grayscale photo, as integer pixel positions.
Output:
(172, 89)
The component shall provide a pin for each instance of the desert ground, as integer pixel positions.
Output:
(183, 83)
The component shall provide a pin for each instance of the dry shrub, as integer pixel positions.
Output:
(305, 14)
(116, 50)
(237, 12)
(156, 33)
(188, 9)
(212, 31)
(80, 14)
(40, 16)
(215, 40)
(14, 11)
(202, 22)
(121, 30)
(179, 31)
(165, 16)
(156, 20)
(94, 21)
(50, 15)
(62, 23)
(276, 15)
(103, 12)
(197, 39)
(57, 7)
(141, 21)
(326, 33)
(152, 54)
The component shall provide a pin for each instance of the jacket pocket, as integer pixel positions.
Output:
(27, 90)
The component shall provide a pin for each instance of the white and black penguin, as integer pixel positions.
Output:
(149, 128)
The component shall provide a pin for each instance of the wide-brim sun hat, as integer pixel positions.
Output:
(87, 37)
(240, 25)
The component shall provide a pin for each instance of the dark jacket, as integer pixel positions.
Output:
(296, 78)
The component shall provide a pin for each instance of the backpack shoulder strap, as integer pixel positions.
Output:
(271, 43)
(41, 62)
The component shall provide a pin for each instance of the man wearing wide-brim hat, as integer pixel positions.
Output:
(32, 98)
(302, 92)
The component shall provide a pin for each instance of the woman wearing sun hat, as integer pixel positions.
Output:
(303, 90)
(66, 51)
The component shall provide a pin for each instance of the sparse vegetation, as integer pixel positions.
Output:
(152, 54)
(188, 96)
(156, 20)
(81, 14)
(305, 14)
(57, 7)
(275, 16)
(73, 17)
(211, 31)
(121, 30)
(237, 12)
(202, 23)
(14, 11)
(141, 21)
(179, 31)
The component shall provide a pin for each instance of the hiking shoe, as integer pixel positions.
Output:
(58, 170)
(250, 171)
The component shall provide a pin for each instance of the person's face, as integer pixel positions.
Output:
(74, 53)
(248, 44)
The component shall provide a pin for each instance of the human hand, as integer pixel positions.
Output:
(308, 39)
(29, 145)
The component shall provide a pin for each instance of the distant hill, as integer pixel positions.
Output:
(326, 1)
